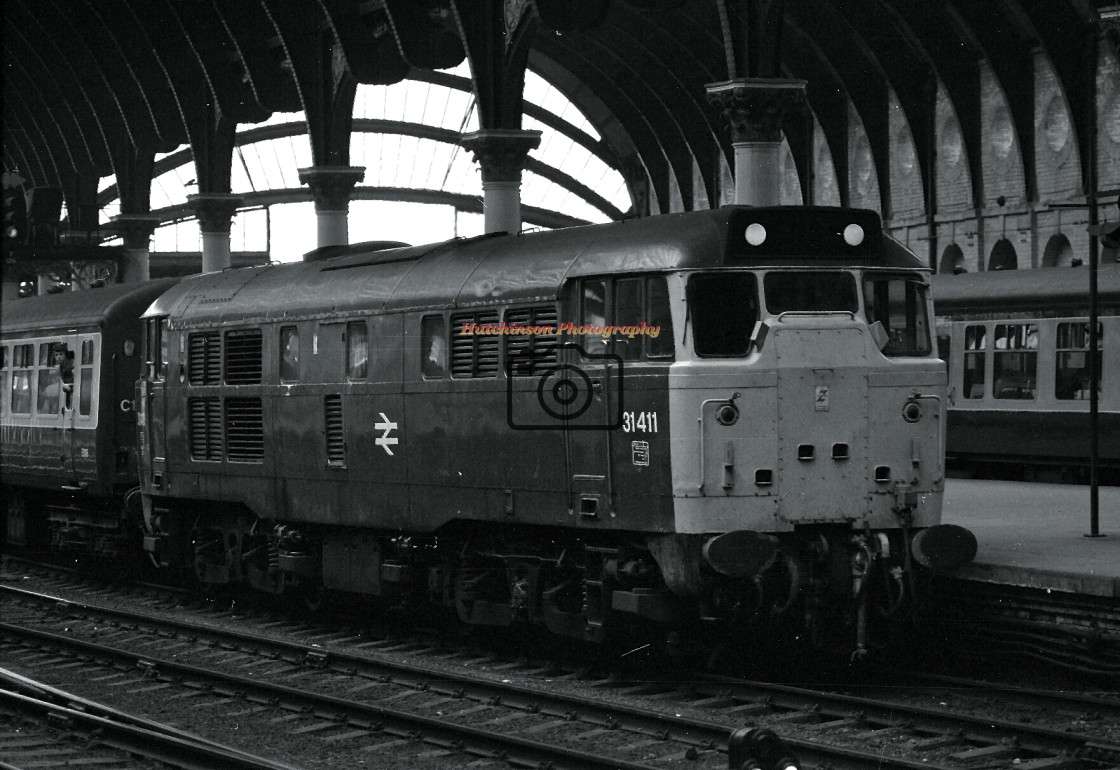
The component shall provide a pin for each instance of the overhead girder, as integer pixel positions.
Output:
(219, 60)
(687, 68)
(37, 148)
(425, 34)
(371, 125)
(669, 108)
(828, 100)
(599, 149)
(326, 86)
(262, 55)
(638, 124)
(116, 63)
(616, 145)
(152, 74)
(911, 76)
(68, 130)
(78, 73)
(863, 77)
(497, 47)
(956, 62)
(367, 42)
(1013, 67)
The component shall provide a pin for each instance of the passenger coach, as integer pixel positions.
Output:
(1018, 348)
(70, 362)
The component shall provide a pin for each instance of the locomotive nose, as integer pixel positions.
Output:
(944, 547)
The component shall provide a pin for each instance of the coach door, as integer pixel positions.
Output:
(152, 418)
(586, 394)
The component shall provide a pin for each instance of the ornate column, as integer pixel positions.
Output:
(136, 230)
(214, 212)
(754, 109)
(501, 154)
(331, 187)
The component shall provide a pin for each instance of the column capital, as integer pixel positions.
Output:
(135, 229)
(214, 211)
(501, 152)
(331, 185)
(754, 108)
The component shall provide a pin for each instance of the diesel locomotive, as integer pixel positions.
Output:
(731, 419)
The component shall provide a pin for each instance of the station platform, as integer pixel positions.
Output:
(1033, 535)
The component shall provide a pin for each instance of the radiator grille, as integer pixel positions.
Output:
(204, 356)
(244, 429)
(243, 357)
(530, 355)
(205, 427)
(336, 437)
(474, 355)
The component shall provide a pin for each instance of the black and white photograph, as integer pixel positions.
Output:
(560, 385)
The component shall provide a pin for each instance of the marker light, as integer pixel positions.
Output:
(853, 235)
(756, 234)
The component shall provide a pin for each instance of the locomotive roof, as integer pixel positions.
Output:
(487, 270)
(74, 309)
(1034, 290)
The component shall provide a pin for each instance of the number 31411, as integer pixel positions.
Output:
(639, 422)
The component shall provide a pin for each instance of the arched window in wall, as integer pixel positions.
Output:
(952, 260)
(1058, 253)
(1003, 256)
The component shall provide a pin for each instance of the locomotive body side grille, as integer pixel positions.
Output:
(474, 355)
(531, 355)
(243, 357)
(204, 365)
(205, 428)
(244, 429)
(334, 429)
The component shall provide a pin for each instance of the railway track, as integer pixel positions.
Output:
(41, 726)
(983, 622)
(651, 723)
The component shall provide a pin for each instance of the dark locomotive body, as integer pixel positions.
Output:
(69, 366)
(338, 424)
(1017, 345)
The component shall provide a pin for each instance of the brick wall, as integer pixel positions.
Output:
(906, 175)
(863, 184)
(1056, 157)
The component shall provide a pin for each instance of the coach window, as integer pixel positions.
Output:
(659, 318)
(289, 353)
(357, 350)
(433, 347)
(85, 392)
(1015, 360)
(724, 310)
(22, 362)
(49, 386)
(1071, 372)
(900, 304)
(975, 347)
